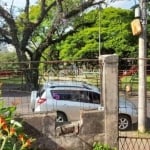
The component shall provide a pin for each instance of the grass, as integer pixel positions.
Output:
(11, 80)
(132, 81)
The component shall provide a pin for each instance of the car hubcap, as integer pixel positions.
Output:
(123, 123)
(59, 119)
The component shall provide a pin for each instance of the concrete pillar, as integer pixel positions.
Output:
(110, 97)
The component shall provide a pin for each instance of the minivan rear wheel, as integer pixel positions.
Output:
(124, 122)
(61, 117)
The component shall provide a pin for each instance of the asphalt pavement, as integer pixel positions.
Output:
(133, 97)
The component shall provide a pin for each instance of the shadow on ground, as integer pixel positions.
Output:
(14, 90)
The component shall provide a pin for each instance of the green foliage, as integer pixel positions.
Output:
(148, 29)
(81, 45)
(12, 136)
(111, 28)
(98, 146)
(8, 112)
(7, 59)
(116, 32)
(133, 82)
(73, 31)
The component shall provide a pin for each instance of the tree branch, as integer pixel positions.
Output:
(10, 21)
(5, 34)
(83, 6)
(49, 38)
(30, 27)
(26, 10)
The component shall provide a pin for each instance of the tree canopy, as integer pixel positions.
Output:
(40, 27)
(66, 30)
(110, 28)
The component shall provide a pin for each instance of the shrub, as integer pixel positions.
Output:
(12, 136)
(99, 146)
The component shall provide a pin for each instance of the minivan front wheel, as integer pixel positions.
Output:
(61, 117)
(124, 122)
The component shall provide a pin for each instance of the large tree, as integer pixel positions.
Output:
(23, 31)
(111, 33)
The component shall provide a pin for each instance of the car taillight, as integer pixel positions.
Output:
(41, 100)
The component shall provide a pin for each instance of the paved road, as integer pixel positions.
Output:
(133, 97)
(20, 99)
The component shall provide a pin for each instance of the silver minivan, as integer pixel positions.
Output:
(69, 97)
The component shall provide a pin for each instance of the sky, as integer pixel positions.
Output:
(18, 3)
(126, 4)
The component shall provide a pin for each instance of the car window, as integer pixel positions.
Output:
(76, 95)
(90, 97)
(94, 97)
(72, 95)
(84, 97)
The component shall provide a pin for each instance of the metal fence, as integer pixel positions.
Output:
(134, 143)
(84, 70)
(13, 84)
(15, 92)
(128, 86)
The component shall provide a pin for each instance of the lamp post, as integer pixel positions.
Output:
(142, 104)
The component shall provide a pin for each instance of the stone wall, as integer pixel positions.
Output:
(79, 135)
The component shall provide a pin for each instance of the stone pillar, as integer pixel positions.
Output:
(110, 98)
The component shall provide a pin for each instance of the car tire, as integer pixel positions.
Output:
(124, 122)
(61, 118)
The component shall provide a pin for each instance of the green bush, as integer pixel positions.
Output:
(99, 146)
(12, 136)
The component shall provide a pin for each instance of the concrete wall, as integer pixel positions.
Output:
(76, 136)
(110, 97)
(95, 125)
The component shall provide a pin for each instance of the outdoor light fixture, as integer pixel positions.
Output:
(136, 23)
(137, 12)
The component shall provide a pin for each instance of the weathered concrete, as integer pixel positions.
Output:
(80, 135)
(42, 122)
(110, 97)
(92, 122)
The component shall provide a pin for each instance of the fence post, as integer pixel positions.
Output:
(110, 98)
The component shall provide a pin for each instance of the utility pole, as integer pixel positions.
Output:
(142, 100)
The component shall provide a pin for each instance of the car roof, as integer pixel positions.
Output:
(69, 84)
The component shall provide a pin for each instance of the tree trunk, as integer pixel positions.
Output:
(31, 74)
